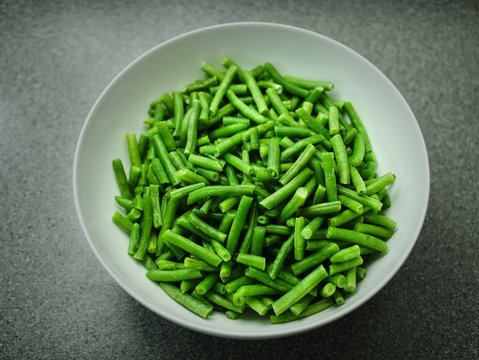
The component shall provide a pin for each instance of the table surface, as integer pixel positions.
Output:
(56, 300)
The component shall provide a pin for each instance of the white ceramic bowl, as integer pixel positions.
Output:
(121, 108)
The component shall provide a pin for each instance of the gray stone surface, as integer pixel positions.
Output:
(56, 301)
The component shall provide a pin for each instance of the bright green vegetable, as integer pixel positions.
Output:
(232, 188)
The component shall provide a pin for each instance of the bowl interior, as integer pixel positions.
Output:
(396, 139)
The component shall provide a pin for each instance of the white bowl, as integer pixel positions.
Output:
(395, 135)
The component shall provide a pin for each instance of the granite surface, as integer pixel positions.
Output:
(56, 300)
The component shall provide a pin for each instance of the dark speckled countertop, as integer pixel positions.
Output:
(56, 300)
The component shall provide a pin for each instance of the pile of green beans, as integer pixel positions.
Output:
(253, 190)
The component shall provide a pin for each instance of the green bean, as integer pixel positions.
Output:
(278, 229)
(238, 163)
(310, 84)
(338, 279)
(148, 263)
(256, 304)
(299, 164)
(134, 214)
(155, 200)
(299, 241)
(133, 149)
(227, 131)
(205, 228)
(204, 99)
(208, 174)
(328, 290)
(133, 177)
(212, 71)
(333, 121)
(238, 89)
(160, 172)
(166, 135)
(357, 181)
(313, 123)
(363, 199)
(185, 190)
(226, 269)
(228, 203)
(346, 254)
(223, 302)
(350, 280)
(162, 153)
(356, 237)
(232, 120)
(341, 158)
(300, 145)
(273, 165)
(338, 297)
(196, 306)
(192, 248)
(220, 250)
(301, 305)
(374, 230)
(278, 105)
(258, 240)
(255, 92)
(284, 251)
(151, 177)
(320, 209)
(252, 290)
(283, 193)
(227, 221)
(223, 111)
(314, 259)
(358, 151)
(300, 290)
(252, 221)
(356, 122)
(310, 310)
(178, 111)
(146, 225)
(207, 283)
(256, 261)
(270, 84)
(174, 275)
(351, 204)
(294, 204)
(134, 238)
(198, 264)
(283, 131)
(121, 178)
(287, 85)
(343, 218)
(380, 220)
(314, 245)
(380, 183)
(199, 85)
(234, 285)
(360, 272)
(222, 88)
(192, 128)
(236, 139)
(168, 265)
(254, 137)
(238, 222)
(244, 109)
(311, 227)
(205, 163)
(190, 177)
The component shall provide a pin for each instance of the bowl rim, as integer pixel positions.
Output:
(280, 332)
